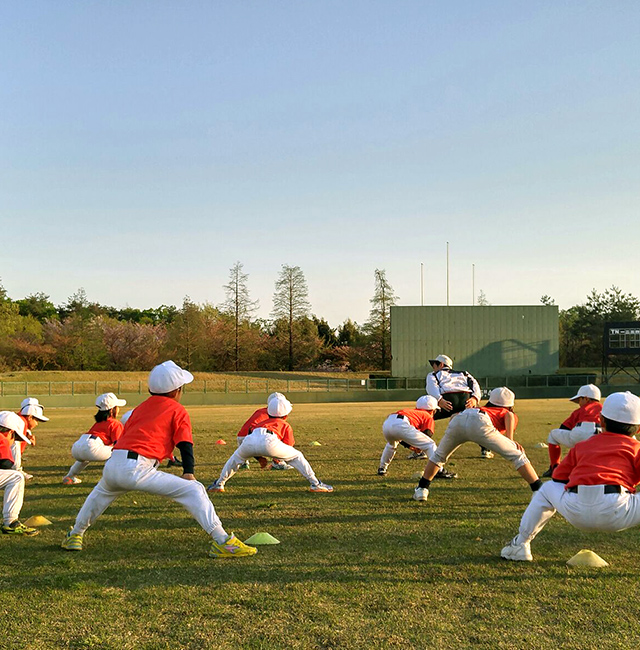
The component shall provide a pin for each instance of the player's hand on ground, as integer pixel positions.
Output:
(188, 477)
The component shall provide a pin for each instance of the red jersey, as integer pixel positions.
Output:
(605, 459)
(156, 427)
(588, 413)
(108, 431)
(254, 422)
(497, 416)
(419, 419)
(5, 448)
(280, 427)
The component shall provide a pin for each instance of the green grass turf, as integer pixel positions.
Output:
(364, 567)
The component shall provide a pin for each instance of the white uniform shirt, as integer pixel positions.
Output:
(452, 381)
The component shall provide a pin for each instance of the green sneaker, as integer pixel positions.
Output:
(18, 528)
(72, 542)
(233, 547)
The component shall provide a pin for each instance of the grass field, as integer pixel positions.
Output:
(364, 567)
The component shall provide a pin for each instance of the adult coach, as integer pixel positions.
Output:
(455, 390)
(155, 427)
(593, 488)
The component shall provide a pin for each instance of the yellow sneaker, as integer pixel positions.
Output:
(233, 547)
(18, 528)
(72, 542)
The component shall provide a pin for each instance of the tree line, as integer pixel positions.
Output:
(80, 334)
(35, 334)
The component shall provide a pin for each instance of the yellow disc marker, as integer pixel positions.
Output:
(587, 558)
(37, 520)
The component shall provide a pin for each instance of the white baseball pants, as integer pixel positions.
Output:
(85, 450)
(571, 437)
(12, 481)
(394, 430)
(473, 426)
(589, 509)
(122, 474)
(261, 442)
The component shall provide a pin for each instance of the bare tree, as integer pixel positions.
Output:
(378, 327)
(238, 305)
(291, 302)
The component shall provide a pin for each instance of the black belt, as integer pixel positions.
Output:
(92, 437)
(133, 455)
(608, 489)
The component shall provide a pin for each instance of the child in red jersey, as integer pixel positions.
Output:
(414, 427)
(97, 443)
(152, 431)
(492, 426)
(31, 413)
(254, 421)
(11, 480)
(583, 423)
(594, 487)
(273, 437)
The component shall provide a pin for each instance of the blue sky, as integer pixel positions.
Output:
(145, 147)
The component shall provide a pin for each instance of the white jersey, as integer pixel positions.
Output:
(452, 381)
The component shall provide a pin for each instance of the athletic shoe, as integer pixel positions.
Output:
(421, 494)
(443, 473)
(244, 465)
(280, 464)
(415, 455)
(486, 453)
(72, 542)
(321, 487)
(549, 472)
(71, 480)
(517, 552)
(382, 471)
(214, 487)
(233, 547)
(174, 462)
(18, 528)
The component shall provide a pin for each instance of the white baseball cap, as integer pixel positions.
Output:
(442, 358)
(168, 376)
(590, 391)
(273, 396)
(107, 401)
(29, 400)
(278, 407)
(13, 422)
(34, 410)
(622, 407)
(427, 403)
(502, 397)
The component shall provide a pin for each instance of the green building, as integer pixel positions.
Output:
(486, 341)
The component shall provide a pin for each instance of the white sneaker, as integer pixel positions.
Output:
(71, 480)
(421, 494)
(321, 487)
(486, 453)
(517, 552)
(414, 455)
